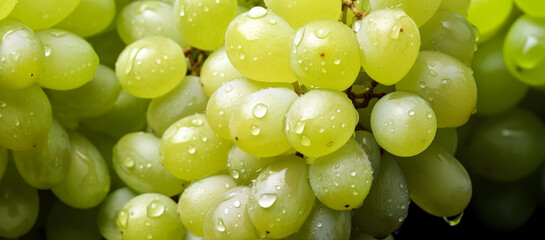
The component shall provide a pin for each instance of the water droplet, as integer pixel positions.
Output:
(235, 174)
(197, 122)
(299, 127)
(123, 218)
(236, 204)
(394, 33)
(422, 84)
(257, 12)
(433, 73)
(411, 112)
(220, 225)
(305, 141)
(321, 33)
(155, 208)
(455, 220)
(128, 162)
(353, 173)
(260, 110)
(531, 53)
(47, 50)
(321, 130)
(266, 200)
(429, 115)
(299, 36)
(191, 149)
(255, 130)
(228, 88)
(336, 61)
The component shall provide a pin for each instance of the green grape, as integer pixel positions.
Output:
(198, 198)
(447, 138)
(325, 54)
(46, 165)
(420, 11)
(136, 161)
(450, 33)
(403, 123)
(498, 90)
(389, 42)
(105, 143)
(41, 14)
(341, 180)
(369, 145)
(84, 22)
(523, 50)
(87, 181)
(437, 182)
(127, 115)
(108, 46)
(261, 55)
(154, 18)
(6, 6)
(3, 161)
(19, 204)
(534, 8)
(190, 149)
(203, 22)
(25, 117)
(281, 198)
(387, 204)
(65, 223)
(150, 216)
(363, 236)
(190, 236)
(108, 211)
(244, 168)
(94, 98)
(446, 84)
(258, 120)
(70, 61)
(320, 122)
(457, 6)
(217, 70)
(151, 67)
(300, 12)
(324, 224)
(21, 55)
(489, 16)
(185, 99)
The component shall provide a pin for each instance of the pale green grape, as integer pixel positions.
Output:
(41, 14)
(387, 204)
(19, 204)
(437, 182)
(244, 168)
(87, 181)
(3, 161)
(389, 42)
(108, 46)
(446, 84)
(324, 224)
(150, 216)
(151, 67)
(300, 12)
(70, 61)
(25, 117)
(534, 8)
(190, 236)
(457, 6)
(489, 16)
(403, 123)
(203, 22)
(199, 197)
(185, 99)
(190, 149)
(523, 50)
(325, 54)
(320, 122)
(65, 223)
(84, 21)
(46, 165)
(450, 33)
(447, 138)
(371, 148)
(108, 211)
(105, 143)
(420, 11)
(341, 180)
(21, 55)
(217, 70)
(281, 198)
(6, 6)
(258, 120)
(260, 55)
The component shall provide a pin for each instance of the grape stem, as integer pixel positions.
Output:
(195, 58)
(365, 96)
(350, 4)
(298, 88)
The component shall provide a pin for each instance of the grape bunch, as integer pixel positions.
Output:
(274, 119)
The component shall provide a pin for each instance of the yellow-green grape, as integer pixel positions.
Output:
(217, 70)
(150, 216)
(18, 205)
(136, 161)
(457, 6)
(403, 123)
(25, 117)
(105, 143)
(320, 122)
(46, 165)
(534, 8)
(6, 6)
(281, 198)
(41, 14)
(244, 168)
(420, 11)
(203, 22)
(389, 42)
(370, 146)
(108, 46)
(300, 12)
(151, 67)
(258, 120)
(341, 180)
(3, 161)
(523, 50)
(228, 217)
(107, 213)
(84, 22)
(21, 55)
(324, 223)
(447, 138)
(446, 84)
(387, 205)
(489, 16)
(450, 33)
(190, 149)
(197, 199)
(262, 55)
(70, 61)
(437, 182)
(64, 222)
(325, 54)
(87, 181)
